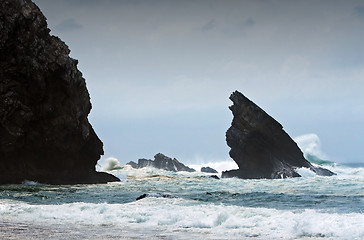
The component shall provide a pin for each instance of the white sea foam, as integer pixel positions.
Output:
(344, 172)
(30, 183)
(305, 172)
(218, 166)
(128, 171)
(110, 164)
(174, 216)
(341, 171)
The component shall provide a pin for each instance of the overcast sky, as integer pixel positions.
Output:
(160, 72)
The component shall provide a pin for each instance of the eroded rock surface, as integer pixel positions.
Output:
(162, 162)
(45, 135)
(208, 170)
(260, 146)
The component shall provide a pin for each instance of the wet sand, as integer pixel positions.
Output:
(28, 231)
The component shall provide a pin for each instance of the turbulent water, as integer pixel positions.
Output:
(188, 205)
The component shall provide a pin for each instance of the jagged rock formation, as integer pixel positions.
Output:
(133, 164)
(260, 146)
(45, 135)
(208, 170)
(162, 162)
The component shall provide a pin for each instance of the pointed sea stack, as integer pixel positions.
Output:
(260, 146)
(45, 135)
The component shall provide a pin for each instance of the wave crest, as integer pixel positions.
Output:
(310, 145)
(111, 164)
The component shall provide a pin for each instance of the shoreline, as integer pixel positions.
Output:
(29, 231)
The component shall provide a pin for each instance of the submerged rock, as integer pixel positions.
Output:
(162, 162)
(45, 135)
(155, 195)
(214, 177)
(208, 170)
(260, 146)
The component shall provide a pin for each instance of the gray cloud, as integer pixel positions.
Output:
(238, 28)
(68, 25)
(249, 22)
(209, 26)
(359, 10)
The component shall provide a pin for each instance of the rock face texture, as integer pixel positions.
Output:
(208, 170)
(45, 135)
(260, 146)
(162, 162)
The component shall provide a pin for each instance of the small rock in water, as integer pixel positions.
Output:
(208, 170)
(214, 176)
(156, 195)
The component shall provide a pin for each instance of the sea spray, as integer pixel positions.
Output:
(309, 207)
(111, 163)
(310, 145)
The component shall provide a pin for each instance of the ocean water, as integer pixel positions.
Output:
(189, 206)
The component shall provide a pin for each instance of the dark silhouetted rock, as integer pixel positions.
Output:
(162, 162)
(260, 146)
(214, 177)
(132, 164)
(146, 163)
(155, 195)
(207, 177)
(208, 170)
(45, 135)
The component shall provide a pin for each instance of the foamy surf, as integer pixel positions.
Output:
(178, 216)
(185, 205)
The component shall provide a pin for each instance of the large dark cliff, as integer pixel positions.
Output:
(45, 135)
(260, 146)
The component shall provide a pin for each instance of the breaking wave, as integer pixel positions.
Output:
(177, 216)
(111, 164)
(310, 145)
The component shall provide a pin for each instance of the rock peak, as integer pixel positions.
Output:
(260, 146)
